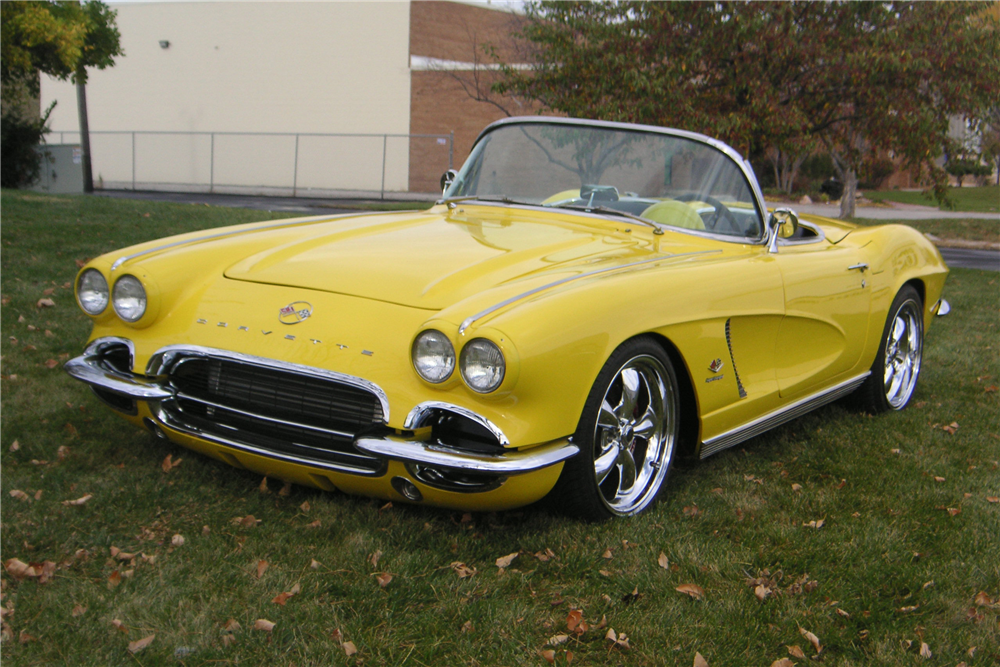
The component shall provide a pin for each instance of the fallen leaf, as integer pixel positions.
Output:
(843, 613)
(305, 507)
(545, 556)
(115, 579)
(62, 452)
(286, 490)
(556, 640)
(950, 428)
(938, 479)
(263, 486)
(699, 660)
(467, 626)
(118, 624)
(262, 566)
(629, 598)
(282, 598)
(607, 555)
(662, 561)
(796, 652)
(247, 521)
(925, 651)
(549, 655)
(51, 363)
(46, 303)
(462, 570)
(177, 540)
(762, 592)
(139, 644)
(151, 560)
(38, 494)
(384, 579)
(232, 625)
(24, 637)
(263, 624)
(337, 635)
(19, 495)
(14, 446)
(387, 506)
(349, 648)
(783, 662)
(954, 511)
(118, 554)
(314, 564)
(169, 464)
(374, 558)
(78, 501)
(907, 610)
(814, 524)
(78, 610)
(983, 599)
(812, 639)
(796, 487)
(505, 561)
(315, 524)
(573, 619)
(694, 590)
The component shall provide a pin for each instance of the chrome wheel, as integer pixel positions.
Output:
(903, 350)
(634, 435)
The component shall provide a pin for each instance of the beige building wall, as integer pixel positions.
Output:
(285, 67)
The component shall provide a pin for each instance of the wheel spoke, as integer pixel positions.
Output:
(647, 424)
(605, 463)
(606, 418)
(630, 392)
(627, 464)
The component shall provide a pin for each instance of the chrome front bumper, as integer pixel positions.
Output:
(89, 369)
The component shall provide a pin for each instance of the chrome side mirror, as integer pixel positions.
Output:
(782, 223)
(447, 178)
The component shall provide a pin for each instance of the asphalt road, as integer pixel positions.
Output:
(987, 260)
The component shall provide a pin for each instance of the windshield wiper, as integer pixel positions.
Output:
(657, 229)
(503, 199)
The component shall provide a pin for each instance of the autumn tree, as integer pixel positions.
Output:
(856, 78)
(62, 39)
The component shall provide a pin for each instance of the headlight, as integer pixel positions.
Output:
(129, 299)
(92, 292)
(433, 356)
(483, 365)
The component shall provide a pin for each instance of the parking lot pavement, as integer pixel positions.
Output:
(966, 258)
(894, 212)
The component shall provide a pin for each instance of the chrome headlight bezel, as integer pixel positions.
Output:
(483, 365)
(433, 356)
(92, 292)
(129, 298)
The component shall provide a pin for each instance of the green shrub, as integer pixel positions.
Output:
(21, 162)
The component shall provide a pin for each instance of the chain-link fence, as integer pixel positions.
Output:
(291, 164)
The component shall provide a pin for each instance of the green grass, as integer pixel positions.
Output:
(963, 229)
(888, 541)
(971, 200)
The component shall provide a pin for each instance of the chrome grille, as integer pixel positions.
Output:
(279, 410)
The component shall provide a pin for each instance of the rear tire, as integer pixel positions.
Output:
(893, 379)
(627, 436)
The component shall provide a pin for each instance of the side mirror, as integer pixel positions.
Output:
(783, 223)
(447, 178)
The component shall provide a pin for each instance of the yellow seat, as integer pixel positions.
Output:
(674, 214)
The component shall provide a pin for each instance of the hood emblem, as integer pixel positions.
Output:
(295, 312)
(716, 366)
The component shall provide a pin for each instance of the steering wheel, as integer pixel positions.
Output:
(722, 213)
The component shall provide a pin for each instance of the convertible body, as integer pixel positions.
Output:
(521, 335)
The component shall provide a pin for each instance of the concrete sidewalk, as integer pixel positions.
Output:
(891, 211)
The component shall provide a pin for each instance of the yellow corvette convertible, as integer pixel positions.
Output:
(587, 302)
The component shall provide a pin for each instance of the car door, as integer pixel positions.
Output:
(827, 304)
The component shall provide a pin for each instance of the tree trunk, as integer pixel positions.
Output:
(848, 201)
(81, 103)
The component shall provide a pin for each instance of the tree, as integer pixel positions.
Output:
(62, 39)
(858, 78)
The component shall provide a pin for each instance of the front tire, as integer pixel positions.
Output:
(627, 436)
(893, 379)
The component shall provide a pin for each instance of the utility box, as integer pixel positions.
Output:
(62, 169)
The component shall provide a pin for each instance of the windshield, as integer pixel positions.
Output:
(669, 180)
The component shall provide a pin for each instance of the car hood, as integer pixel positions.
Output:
(436, 258)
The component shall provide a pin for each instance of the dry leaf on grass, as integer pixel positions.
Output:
(574, 619)
(925, 651)
(662, 561)
(20, 495)
(305, 507)
(248, 521)
(812, 639)
(45, 303)
(694, 590)
(14, 446)
(796, 652)
(549, 655)
(699, 660)
(118, 624)
(505, 561)
(783, 662)
(762, 592)
(118, 554)
(607, 555)
(115, 579)
(262, 566)
(557, 640)
(462, 570)
(545, 556)
(384, 579)
(619, 640)
(907, 610)
(263, 624)
(78, 501)
(814, 524)
(314, 564)
(467, 626)
(169, 463)
(232, 625)
(349, 648)
(983, 599)
(286, 490)
(139, 644)
(78, 610)
(177, 540)
(374, 558)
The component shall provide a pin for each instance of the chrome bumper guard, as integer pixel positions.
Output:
(88, 369)
(435, 456)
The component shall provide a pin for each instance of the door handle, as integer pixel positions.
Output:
(861, 267)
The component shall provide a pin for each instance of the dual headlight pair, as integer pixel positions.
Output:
(482, 363)
(128, 296)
